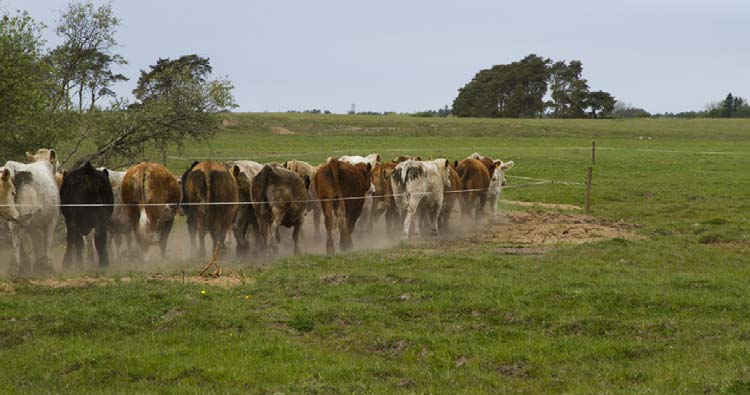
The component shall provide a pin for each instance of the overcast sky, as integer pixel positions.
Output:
(407, 56)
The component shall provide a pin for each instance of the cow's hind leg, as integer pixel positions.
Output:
(100, 240)
(239, 229)
(329, 222)
(164, 229)
(317, 211)
(295, 238)
(72, 245)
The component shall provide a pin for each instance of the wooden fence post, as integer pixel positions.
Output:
(587, 207)
(593, 152)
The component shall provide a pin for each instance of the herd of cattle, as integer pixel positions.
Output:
(251, 199)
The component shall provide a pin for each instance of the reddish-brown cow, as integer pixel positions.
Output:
(336, 183)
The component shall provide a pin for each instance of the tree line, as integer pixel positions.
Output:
(53, 95)
(519, 89)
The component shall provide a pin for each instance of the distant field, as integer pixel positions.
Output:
(665, 312)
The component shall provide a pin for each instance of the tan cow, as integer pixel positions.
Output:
(304, 169)
(280, 198)
(210, 182)
(153, 196)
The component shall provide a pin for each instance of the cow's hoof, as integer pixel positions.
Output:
(44, 269)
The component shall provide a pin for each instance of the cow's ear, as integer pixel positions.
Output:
(447, 163)
(106, 173)
(507, 165)
(285, 166)
(455, 163)
(369, 167)
(29, 156)
(236, 171)
(429, 157)
(378, 158)
(418, 158)
(52, 155)
(6, 175)
(307, 182)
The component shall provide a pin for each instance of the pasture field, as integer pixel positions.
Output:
(663, 312)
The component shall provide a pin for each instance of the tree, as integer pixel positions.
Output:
(570, 92)
(26, 118)
(84, 60)
(625, 110)
(176, 100)
(601, 101)
(513, 90)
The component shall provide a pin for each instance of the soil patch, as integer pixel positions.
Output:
(554, 228)
(224, 281)
(281, 130)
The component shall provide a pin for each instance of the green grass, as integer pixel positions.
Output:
(666, 314)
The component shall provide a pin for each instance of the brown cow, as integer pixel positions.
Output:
(336, 181)
(245, 223)
(153, 196)
(280, 198)
(211, 182)
(382, 198)
(475, 179)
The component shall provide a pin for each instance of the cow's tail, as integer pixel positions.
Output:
(262, 179)
(338, 204)
(143, 218)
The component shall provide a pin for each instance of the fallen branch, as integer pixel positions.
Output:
(212, 262)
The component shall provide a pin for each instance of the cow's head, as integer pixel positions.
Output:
(443, 166)
(500, 168)
(44, 154)
(8, 209)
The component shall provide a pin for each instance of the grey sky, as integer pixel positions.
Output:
(413, 55)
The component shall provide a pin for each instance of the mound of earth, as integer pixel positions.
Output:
(539, 227)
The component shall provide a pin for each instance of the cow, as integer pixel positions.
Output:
(497, 182)
(119, 223)
(210, 182)
(341, 188)
(280, 198)
(89, 186)
(450, 196)
(403, 158)
(382, 198)
(152, 196)
(245, 172)
(420, 185)
(475, 181)
(304, 169)
(32, 200)
(496, 169)
(372, 160)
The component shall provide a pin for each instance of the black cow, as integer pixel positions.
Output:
(86, 185)
(187, 210)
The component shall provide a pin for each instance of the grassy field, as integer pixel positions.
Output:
(664, 314)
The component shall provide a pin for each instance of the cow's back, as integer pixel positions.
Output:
(149, 186)
(210, 182)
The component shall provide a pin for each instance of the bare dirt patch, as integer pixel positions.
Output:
(281, 130)
(554, 206)
(225, 281)
(554, 228)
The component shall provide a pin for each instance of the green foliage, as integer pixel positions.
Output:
(83, 62)
(624, 110)
(517, 90)
(27, 121)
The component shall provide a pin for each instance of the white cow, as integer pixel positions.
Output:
(420, 185)
(119, 224)
(372, 159)
(33, 211)
(497, 182)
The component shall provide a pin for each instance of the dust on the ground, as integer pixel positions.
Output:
(225, 281)
(554, 206)
(540, 228)
(517, 233)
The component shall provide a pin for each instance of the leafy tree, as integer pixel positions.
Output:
(26, 119)
(570, 92)
(84, 60)
(176, 100)
(601, 101)
(624, 110)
